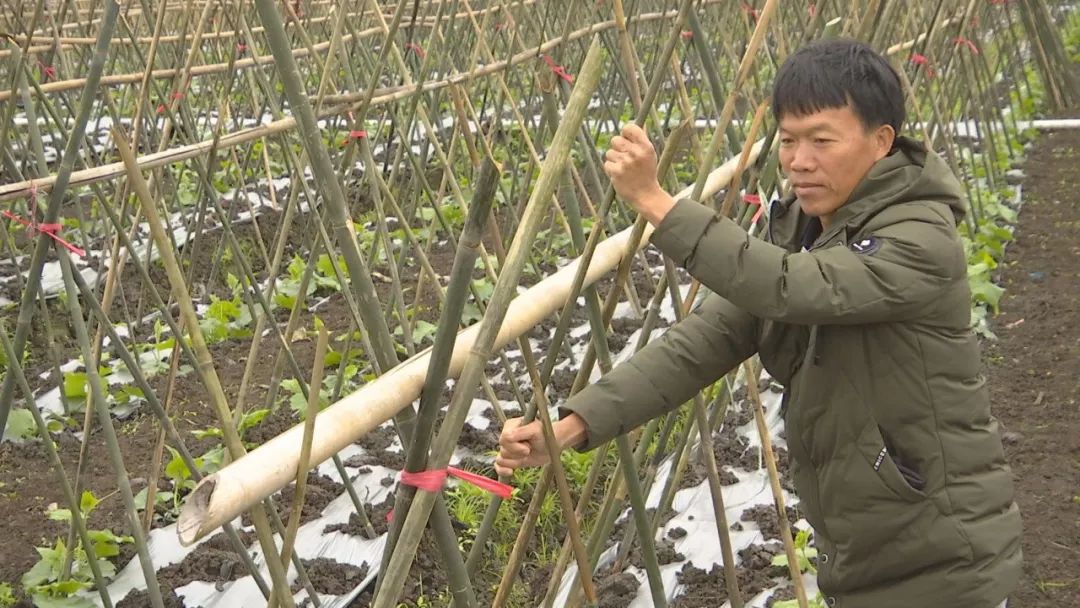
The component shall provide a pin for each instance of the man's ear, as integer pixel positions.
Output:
(884, 136)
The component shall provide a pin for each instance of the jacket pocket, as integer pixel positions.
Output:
(882, 528)
(904, 482)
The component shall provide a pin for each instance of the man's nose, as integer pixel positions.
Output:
(802, 158)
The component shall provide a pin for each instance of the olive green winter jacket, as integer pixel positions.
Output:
(896, 459)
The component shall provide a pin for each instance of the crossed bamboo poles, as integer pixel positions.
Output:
(477, 145)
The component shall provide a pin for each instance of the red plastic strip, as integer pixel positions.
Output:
(967, 42)
(753, 199)
(47, 71)
(50, 230)
(558, 70)
(432, 481)
(922, 60)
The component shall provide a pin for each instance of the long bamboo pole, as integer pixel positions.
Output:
(336, 105)
(489, 327)
(52, 212)
(226, 494)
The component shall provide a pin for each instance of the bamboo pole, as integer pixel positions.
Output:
(203, 360)
(337, 105)
(222, 496)
(52, 212)
(313, 405)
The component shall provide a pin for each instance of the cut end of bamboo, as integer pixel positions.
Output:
(195, 512)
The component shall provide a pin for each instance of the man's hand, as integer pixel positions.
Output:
(631, 165)
(523, 445)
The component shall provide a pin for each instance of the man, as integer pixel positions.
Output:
(857, 301)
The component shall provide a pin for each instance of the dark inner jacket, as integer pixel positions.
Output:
(896, 459)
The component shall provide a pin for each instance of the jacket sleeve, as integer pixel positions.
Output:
(905, 267)
(667, 372)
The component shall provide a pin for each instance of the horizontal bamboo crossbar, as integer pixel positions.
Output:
(336, 106)
(222, 497)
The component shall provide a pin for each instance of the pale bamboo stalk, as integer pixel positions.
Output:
(313, 405)
(754, 396)
(52, 212)
(203, 358)
(489, 328)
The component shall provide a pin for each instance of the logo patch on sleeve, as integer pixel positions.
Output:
(866, 245)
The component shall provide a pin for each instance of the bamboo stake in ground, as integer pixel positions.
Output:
(446, 335)
(203, 361)
(505, 290)
(223, 496)
(313, 404)
(56, 197)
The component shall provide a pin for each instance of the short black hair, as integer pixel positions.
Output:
(837, 73)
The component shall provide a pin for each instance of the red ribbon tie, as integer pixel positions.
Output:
(416, 48)
(967, 42)
(558, 70)
(50, 230)
(433, 481)
(356, 134)
(754, 199)
(922, 60)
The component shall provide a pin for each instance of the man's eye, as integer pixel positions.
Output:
(821, 140)
(786, 141)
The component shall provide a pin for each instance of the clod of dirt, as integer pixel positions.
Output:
(782, 594)
(390, 460)
(765, 518)
(479, 441)
(377, 440)
(759, 557)
(708, 589)
(355, 526)
(617, 590)
(331, 577)
(734, 450)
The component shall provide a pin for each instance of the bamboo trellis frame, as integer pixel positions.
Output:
(439, 88)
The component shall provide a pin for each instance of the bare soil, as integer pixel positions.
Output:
(1034, 372)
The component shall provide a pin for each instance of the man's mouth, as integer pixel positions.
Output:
(801, 189)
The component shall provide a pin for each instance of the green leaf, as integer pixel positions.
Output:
(88, 502)
(47, 600)
(60, 514)
(209, 462)
(983, 290)
(176, 469)
(75, 385)
(422, 330)
(253, 418)
(20, 425)
(7, 596)
(207, 433)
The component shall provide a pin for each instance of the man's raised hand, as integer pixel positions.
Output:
(630, 163)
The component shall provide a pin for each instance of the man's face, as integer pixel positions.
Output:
(826, 154)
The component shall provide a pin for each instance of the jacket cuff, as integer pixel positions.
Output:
(681, 233)
(678, 234)
(605, 408)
